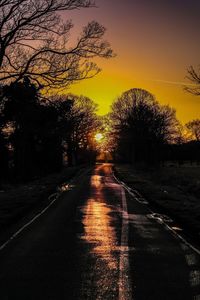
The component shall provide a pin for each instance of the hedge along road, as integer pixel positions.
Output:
(97, 241)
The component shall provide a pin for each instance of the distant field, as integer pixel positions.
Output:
(173, 188)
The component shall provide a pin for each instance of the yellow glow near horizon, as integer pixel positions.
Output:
(105, 88)
(98, 137)
(155, 44)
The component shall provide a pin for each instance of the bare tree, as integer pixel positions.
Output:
(34, 42)
(194, 77)
(78, 123)
(141, 125)
(194, 128)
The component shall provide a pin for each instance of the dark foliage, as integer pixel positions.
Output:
(194, 127)
(33, 139)
(141, 126)
(35, 42)
(35, 135)
(185, 152)
(77, 122)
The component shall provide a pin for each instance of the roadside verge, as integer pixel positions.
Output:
(21, 204)
(169, 200)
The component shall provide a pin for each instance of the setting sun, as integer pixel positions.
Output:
(98, 137)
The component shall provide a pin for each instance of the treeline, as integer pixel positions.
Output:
(182, 152)
(145, 132)
(37, 135)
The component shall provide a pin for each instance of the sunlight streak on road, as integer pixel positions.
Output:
(99, 232)
(100, 235)
(105, 222)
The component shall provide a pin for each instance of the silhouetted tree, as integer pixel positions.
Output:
(34, 141)
(194, 128)
(20, 108)
(141, 126)
(194, 77)
(108, 144)
(48, 140)
(4, 155)
(84, 111)
(34, 42)
(77, 123)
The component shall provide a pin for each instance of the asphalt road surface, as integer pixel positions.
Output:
(98, 242)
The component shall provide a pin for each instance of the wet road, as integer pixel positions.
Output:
(97, 242)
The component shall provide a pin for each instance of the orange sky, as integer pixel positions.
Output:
(155, 41)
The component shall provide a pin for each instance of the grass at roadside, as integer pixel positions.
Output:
(175, 190)
(17, 201)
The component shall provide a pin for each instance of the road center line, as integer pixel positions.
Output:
(178, 236)
(125, 291)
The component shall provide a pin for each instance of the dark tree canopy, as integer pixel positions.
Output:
(34, 42)
(141, 125)
(35, 145)
(194, 77)
(39, 137)
(194, 128)
(77, 122)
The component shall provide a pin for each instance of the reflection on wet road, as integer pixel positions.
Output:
(100, 233)
(128, 254)
(97, 242)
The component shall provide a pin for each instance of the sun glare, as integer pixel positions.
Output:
(98, 137)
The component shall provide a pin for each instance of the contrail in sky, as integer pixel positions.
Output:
(174, 82)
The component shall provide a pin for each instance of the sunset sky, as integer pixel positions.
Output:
(155, 41)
